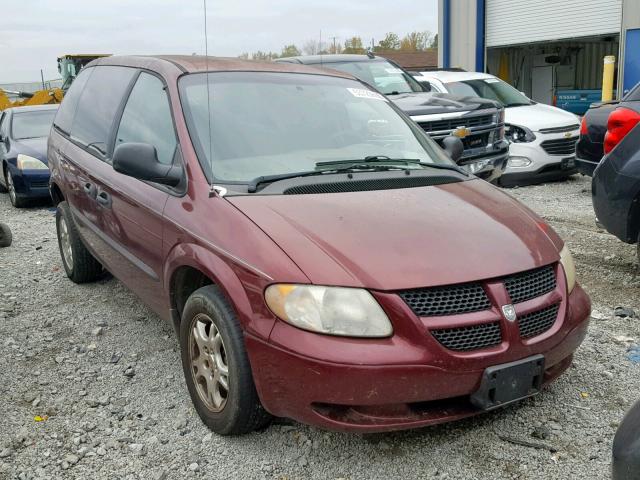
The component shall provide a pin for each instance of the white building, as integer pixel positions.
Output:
(543, 47)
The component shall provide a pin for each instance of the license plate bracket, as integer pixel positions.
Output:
(509, 382)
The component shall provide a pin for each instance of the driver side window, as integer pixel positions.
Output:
(147, 118)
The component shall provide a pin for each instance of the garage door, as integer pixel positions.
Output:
(512, 22)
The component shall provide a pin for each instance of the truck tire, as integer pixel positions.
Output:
(216, 367)
(5, 236)
(79, 264)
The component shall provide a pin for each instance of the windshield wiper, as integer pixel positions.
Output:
(382, 160)
(373, 162)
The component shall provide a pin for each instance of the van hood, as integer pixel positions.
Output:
(538, 116)
(418, 103)
(405, 238)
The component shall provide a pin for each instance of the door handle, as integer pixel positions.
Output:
(89, 189)
(104, 199)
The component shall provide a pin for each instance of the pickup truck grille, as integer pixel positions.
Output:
(560, 146)
(453, 123)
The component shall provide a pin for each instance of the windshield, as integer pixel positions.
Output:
(383, 75)
(264, 123)
(490, 88)
(32, 124)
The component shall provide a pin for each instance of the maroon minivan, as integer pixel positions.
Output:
(320, 257)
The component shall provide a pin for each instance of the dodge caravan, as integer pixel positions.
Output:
(319, 256)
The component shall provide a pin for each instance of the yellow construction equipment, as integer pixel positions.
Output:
(68, 65)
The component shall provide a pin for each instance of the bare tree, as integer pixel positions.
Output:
(313, 47)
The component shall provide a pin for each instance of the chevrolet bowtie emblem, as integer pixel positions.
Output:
(461, 132)
(509, 312)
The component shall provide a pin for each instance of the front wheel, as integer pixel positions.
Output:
(216, 366)
(16, 201)
(79, 264)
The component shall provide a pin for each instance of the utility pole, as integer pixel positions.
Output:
(335, 49)
(42, 78)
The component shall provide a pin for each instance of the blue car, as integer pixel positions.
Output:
(24, 171)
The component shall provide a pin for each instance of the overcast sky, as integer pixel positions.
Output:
(35, 32)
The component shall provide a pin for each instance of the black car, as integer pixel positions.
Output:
(591, 146)
(477, 121)
(616, 180)
(626, 447)
(24, 171)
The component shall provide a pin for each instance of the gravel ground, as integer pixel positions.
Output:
(91, 384)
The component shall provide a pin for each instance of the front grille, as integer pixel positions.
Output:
(566, 128)
(560, 146)
(450, 300)
(453, 123)
(370, 184)
(527, 285)
(536, 323)
(464, 339)
(475, 141)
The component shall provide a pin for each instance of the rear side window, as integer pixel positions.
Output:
(98, 105)
(147, 118)
(67, 110)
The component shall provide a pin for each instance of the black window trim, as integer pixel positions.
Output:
(181, 189)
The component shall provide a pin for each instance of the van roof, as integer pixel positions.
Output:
(201, 63)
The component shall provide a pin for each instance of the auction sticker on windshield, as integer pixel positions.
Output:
(364, 93)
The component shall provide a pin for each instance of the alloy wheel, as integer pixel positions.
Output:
(65, 243)
(209, 366)
(11, 187)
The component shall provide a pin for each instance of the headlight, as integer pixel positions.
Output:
(517, 134)
(351, 312)
(569, 267)
(25, 162)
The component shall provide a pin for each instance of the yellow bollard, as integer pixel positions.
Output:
(607, 78)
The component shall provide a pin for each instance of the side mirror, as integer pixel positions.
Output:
(454, 147)
(626, 447)
(140, 160)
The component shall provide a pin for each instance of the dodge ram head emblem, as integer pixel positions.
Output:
(509, 312)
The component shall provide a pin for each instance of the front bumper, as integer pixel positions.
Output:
(372, 386)
(32, 184)
(542, 166)
(490, 167)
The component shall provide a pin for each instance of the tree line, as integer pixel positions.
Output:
(411, 42)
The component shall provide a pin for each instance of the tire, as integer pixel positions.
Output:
(638, 247)
(3, 189)
(16, 201)
(5, 236)
(79, 264)
(238, 409)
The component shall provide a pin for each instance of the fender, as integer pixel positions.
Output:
(234, 279)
